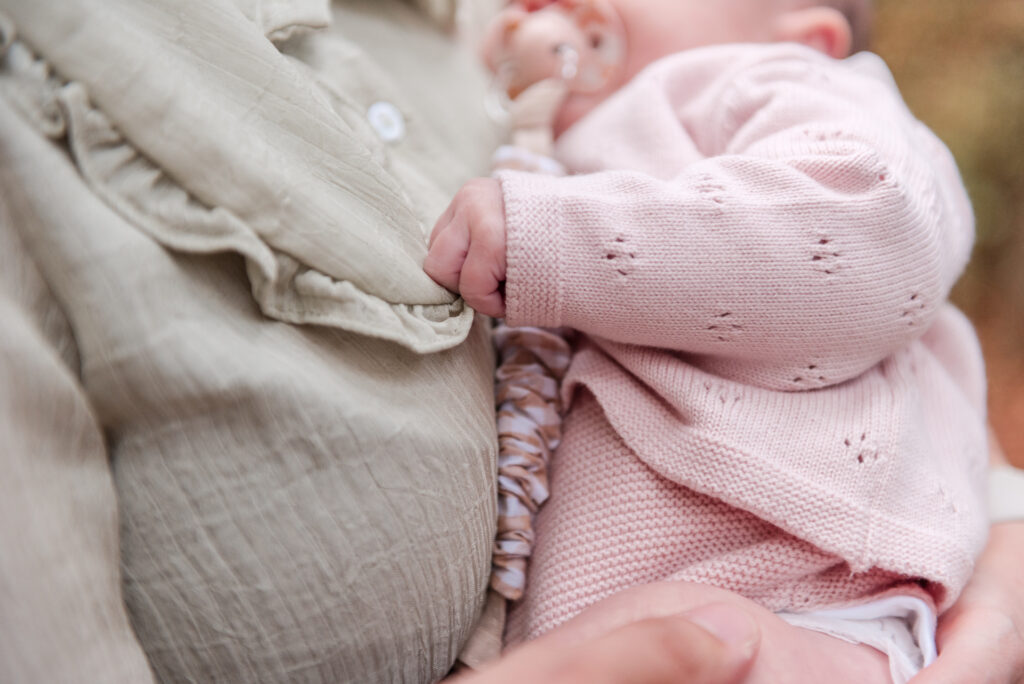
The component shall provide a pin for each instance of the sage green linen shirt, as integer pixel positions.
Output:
(220, 361)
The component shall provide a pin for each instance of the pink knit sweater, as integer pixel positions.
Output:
(771, 392)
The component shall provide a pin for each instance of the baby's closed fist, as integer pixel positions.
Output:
(467, 247)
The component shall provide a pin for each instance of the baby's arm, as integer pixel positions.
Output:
(819, 235)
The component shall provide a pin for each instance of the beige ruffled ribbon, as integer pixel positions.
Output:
(533, 362)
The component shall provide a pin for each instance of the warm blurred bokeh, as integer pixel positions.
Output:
(960, 65)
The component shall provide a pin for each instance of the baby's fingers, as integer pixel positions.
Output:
(447, 254)
(483, 273)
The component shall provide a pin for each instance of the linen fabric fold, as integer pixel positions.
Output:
(287, 500)
(189, 103)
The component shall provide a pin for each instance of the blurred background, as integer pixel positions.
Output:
(960, 65)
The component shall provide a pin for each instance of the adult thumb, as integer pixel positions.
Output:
(713, 644)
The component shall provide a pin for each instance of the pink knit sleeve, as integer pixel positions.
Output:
(820, 230)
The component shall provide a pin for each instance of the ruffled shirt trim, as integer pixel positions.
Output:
(284, 285)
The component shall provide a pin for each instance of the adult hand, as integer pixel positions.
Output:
(981, 638)
(467, 247)
(712, 644)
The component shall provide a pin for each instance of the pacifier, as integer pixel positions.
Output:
(579, 42)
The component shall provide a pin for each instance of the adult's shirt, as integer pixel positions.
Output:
(211, 217)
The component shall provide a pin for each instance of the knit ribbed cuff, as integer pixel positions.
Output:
(533, 246)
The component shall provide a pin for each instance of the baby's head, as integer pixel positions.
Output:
(656, 28)
(609, 41)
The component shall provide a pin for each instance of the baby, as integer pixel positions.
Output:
(768, 391)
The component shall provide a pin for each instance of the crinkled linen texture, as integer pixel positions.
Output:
(240, 148)
(771, 393)
(176, 194)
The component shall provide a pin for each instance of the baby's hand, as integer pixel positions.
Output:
(467, 248)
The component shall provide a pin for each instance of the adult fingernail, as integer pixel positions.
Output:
(733, 626)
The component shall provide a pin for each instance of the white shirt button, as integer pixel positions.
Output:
(387, 121)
